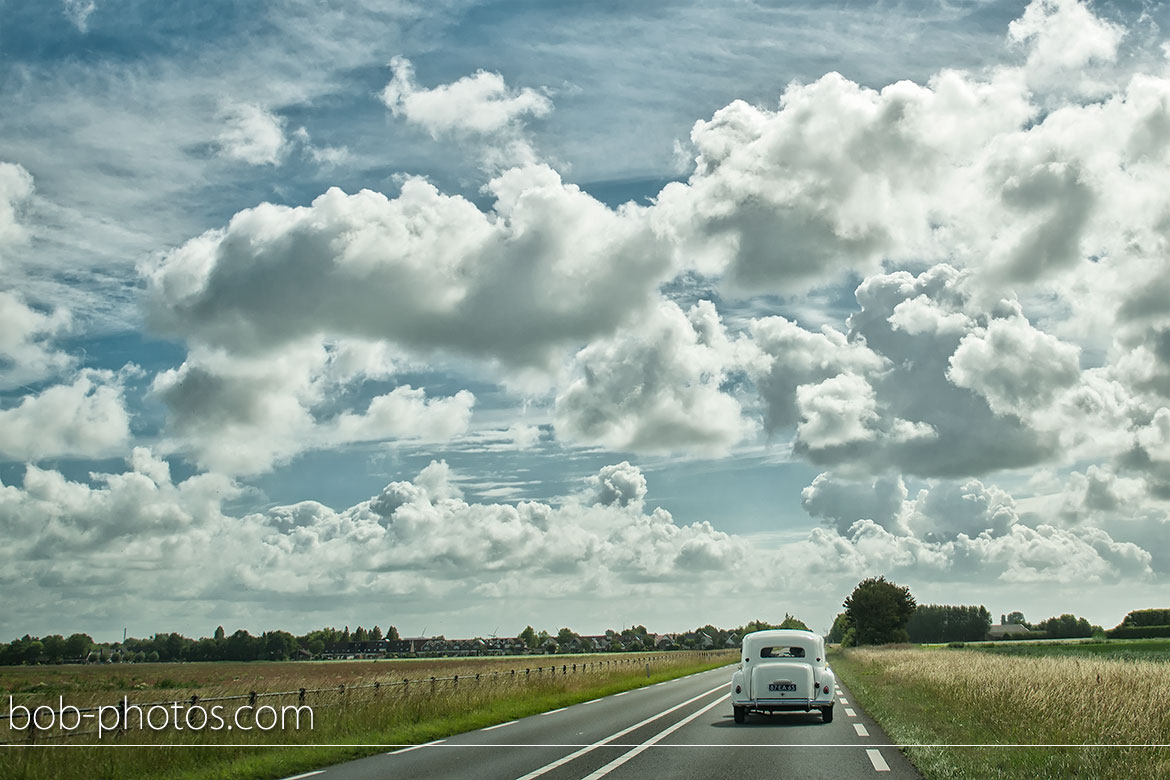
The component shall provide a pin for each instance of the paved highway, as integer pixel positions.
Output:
(677, 729)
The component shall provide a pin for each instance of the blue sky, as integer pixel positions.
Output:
(702, 312)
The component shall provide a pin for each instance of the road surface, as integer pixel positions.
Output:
(678, 729)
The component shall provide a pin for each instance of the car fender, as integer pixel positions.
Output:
(737, 681)
(828, 679)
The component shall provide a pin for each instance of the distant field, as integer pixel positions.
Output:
(1157, 650)
(1053, 694)
(226, 677)
(391, 714)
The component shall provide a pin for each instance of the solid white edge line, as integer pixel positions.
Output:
(306, 774)
(860, 729)
(875, 758)
(500, 725)
(849, 712)
(566, 759)
(666, 732)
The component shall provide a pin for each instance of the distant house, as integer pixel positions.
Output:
(1008, 631)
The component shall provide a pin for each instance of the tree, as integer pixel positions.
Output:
(32, 651)
(78, 645)
(840, 626)
(529, 638)
(1016, 619)
(219, 635)
(279, 645)
(793, 622)
(54, 647)
(1066, 627)
(947, 623)
(565, 638)
(878, 611)
(376, 634)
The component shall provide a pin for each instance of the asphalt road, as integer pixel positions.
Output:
(677, 729)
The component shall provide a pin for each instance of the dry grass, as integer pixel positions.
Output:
(364, 717)
(961, 697)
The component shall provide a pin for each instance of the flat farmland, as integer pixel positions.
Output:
(94, 683)
(1057, 711)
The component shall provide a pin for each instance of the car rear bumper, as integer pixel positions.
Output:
(784, 705)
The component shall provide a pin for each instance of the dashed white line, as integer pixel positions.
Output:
(623, 693)
(617, 735)
(849, 711)
(594, 701)
(306, 774)
(875, 758)
(666, 732)
(550, 712)
(860, 729)
(500, 725)
(842, 699)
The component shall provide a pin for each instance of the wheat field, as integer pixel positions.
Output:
(1016, 716)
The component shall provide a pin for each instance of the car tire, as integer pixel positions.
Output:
(739, 713)
(827, 714)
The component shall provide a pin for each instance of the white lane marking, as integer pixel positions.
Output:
(849, 711)
(412, 747)
(566, 759)
(500, 725)
(875, 758)
(306, 774)
(860, 729)
(842, 699)
(666, 732)
(623, 693)
(550, 712)
(594, 701)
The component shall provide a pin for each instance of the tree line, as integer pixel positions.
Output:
(283, 646)
(882, 612)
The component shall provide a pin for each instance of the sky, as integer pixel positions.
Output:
(462, 316)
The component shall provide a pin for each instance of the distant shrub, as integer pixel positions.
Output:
(1138, 632)
(1146, 618)
(956, 644)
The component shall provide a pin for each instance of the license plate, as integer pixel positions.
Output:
(782, 687)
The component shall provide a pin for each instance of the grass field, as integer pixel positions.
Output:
(391, 715)
(1055, 695)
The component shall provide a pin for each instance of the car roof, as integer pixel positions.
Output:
(781, 636)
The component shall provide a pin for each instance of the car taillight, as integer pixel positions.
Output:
(825, 689)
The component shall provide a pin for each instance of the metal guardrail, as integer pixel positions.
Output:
(514, 675)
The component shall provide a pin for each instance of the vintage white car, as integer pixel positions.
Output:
(783, 670)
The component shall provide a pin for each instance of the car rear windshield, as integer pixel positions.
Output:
(782, 652)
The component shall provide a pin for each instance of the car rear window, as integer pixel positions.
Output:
(782, 652)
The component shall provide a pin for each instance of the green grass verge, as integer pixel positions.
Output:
(366, 724)
(948, 697)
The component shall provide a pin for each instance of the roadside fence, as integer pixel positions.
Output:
(34, 717)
